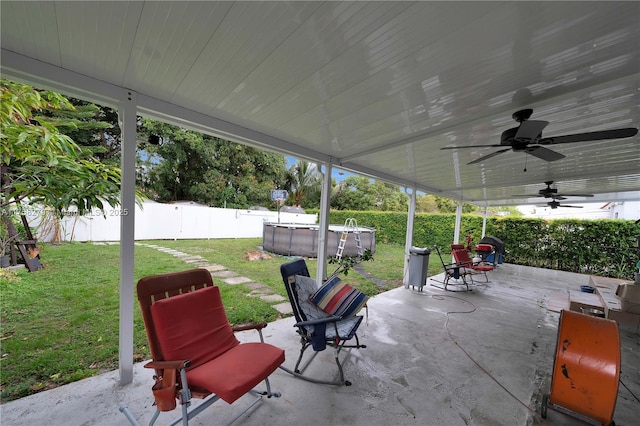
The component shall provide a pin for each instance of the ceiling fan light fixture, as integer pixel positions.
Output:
(552, 193)
(527, 137)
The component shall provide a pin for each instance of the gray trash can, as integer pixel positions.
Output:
(418, 266)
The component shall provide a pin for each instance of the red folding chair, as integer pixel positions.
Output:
(452, 270)
(193, 347)
(461, 257)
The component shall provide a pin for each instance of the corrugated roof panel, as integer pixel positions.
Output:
(97, 39)
(169, 40)
(231, 55)
(36, 36)
(305, 49)
(378, 86)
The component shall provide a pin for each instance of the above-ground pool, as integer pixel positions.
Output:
(293, 239)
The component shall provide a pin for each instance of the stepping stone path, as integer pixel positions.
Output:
(222, 274)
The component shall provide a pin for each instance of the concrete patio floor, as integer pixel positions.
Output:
(433, 358)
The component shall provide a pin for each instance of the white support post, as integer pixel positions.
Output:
(456, 232)
(484, 222)
(127, 119)
(408, 242)
(323, 226)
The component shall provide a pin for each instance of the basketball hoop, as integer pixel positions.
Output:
(279, 195)
(279, 201)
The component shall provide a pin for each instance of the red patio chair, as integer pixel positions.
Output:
(193, 347)
(461, 257)
(452, 270)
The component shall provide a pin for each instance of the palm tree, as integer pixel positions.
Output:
(304, 182)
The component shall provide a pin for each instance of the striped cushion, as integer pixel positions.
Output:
(338, 298)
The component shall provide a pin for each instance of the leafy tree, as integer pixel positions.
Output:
(353, 193)
(92, 126)
(426, 203)
(447, 205)
(42, 165)
(389, 197)
(186, 165)
(360, 193)
(304, 183)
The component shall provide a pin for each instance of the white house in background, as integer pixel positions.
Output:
(628, 210)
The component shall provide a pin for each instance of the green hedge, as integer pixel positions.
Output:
(598, 247)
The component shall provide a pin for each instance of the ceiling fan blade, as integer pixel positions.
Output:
(544, 153)
(473, 146)
(591, 136)
(555, 197)
(530, 130)
(546, 193)
(573, 195)
(573, 207)
(493, 154)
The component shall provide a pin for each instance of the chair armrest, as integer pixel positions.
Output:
(318, 321)
(257, 327)
(168, 401)
(162, 365)
(461, 267)
(249, 327)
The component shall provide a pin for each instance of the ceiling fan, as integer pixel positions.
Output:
(552, 193)
(527, 137)
(555, 204)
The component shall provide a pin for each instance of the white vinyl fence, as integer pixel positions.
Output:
(156, 221)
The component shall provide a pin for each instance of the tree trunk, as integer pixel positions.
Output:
(13, 237)
(6, 215)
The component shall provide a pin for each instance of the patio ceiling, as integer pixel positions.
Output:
(374, 87)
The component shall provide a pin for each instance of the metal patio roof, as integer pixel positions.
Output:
(376, 88)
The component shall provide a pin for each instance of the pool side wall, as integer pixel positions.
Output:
(292, 239)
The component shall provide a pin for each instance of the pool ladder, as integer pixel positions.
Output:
(350, 225)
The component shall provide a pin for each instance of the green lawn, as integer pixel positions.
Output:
(60, 324)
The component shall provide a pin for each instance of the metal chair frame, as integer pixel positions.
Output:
(455, 271)
(155, 288)
(289, 271)
(461, 256)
